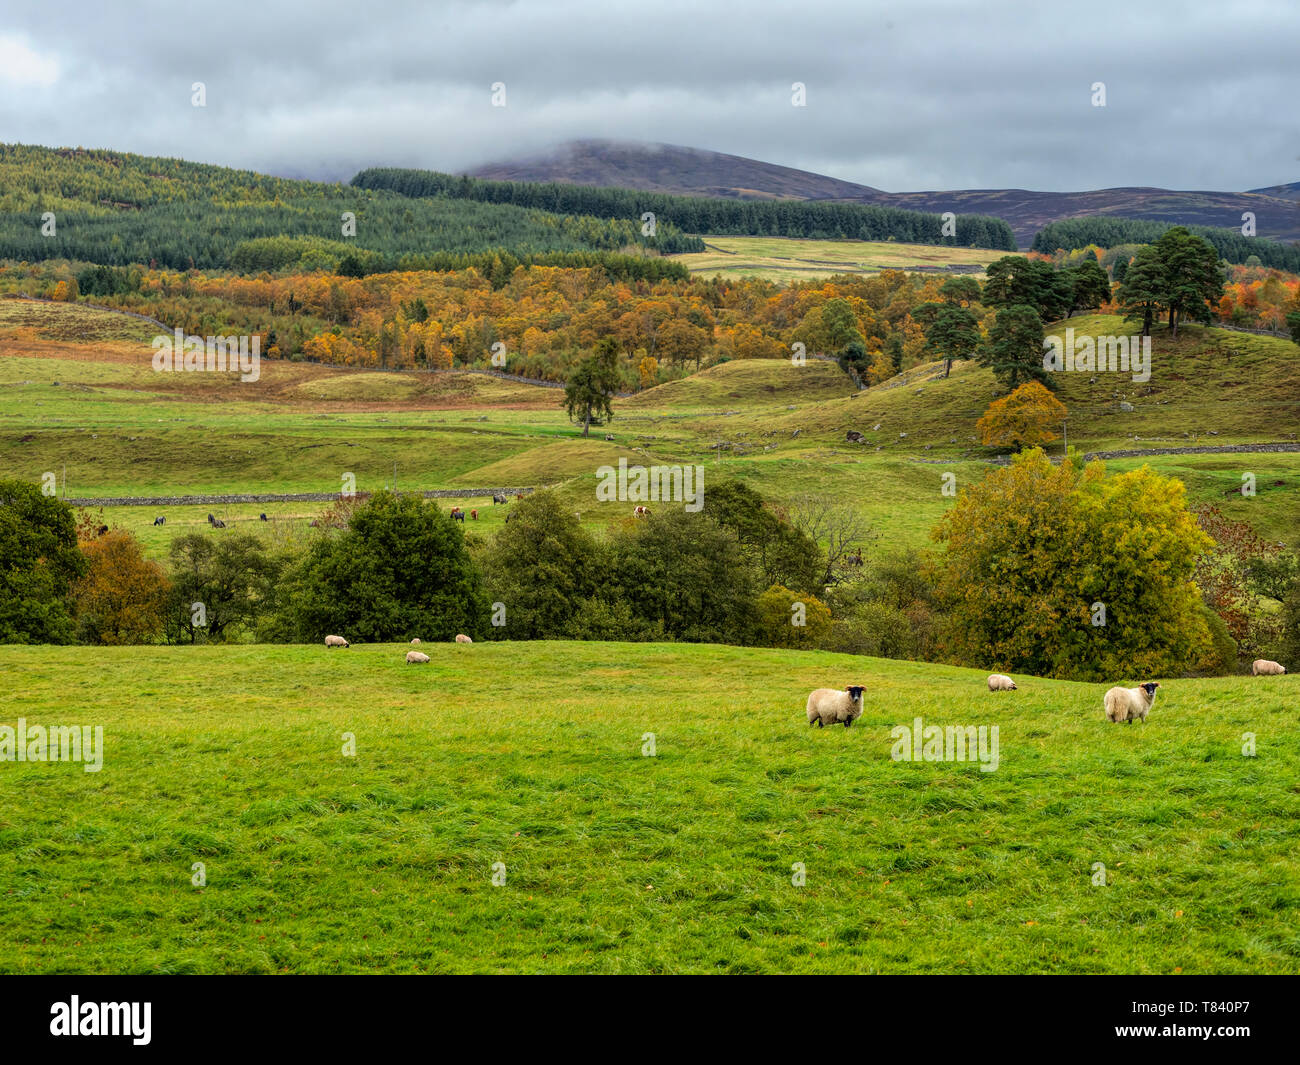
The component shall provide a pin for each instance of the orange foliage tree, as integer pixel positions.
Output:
(1023, 419)
(122, 597)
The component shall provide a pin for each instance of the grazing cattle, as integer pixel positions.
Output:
(640, 512)
(498, 498)
(458, 515)
(160, 520)
(101, 530)
(216, 522)
(263, 517)
(854, 560)
(853, 436)
(473, 515)
(519, 495)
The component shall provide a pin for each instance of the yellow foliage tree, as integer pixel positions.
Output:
(648, 370)
(1023, 419)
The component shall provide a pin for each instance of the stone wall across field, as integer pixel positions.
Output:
(295, 497)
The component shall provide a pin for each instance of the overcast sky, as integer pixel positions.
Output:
(917, 95)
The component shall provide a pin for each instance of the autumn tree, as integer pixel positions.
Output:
(123, 596)
(1025, 418)
(1066, 571)
(590, 390)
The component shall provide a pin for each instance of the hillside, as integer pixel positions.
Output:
(695, 172)
(81, 399)
(116, 208)
(670, 168)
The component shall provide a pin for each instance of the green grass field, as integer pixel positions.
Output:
(531, 755)
(785, 259)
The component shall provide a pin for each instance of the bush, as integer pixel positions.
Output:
(122, 597)
(39, 561)
(791, 619)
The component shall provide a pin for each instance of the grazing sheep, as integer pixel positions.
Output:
(462, 638)
(1128, 704)
(1000, 682)
(828, 706)
(415, 658)
(1262, 667)
(416, 640)
(160, 520)
(335, 641)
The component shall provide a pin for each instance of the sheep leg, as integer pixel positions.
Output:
(848, 722)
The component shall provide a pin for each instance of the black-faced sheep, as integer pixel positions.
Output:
(829, 706)
(1130, 704)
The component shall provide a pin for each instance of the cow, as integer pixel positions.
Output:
(498, 497)
(641, 512)
(473, 515)
(160, 520)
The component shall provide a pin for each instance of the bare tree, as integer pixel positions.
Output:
(839, 527)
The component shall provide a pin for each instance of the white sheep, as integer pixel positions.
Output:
(1263, 667)
(335, 641)
(415, 658)
(1000, 682)
(829, 706)
(1129, 704)
(415, 641)
(462, 638)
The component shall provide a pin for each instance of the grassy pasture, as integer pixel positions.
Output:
(785, 259)
(531, 755)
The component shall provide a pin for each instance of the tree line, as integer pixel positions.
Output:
(1230, 244)
(1035, 538)
(698, 214)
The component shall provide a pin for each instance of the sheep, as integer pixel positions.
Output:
(1262, 667)
(1128, 704)
(415, 641)
(462, 638)
(827, 706)
(415, 658)
(1000, 682)
(335, 641)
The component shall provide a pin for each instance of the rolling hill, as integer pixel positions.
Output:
(694, 172)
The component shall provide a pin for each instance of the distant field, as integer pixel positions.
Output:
(96, 408)
(789, 259)
(614, 861)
